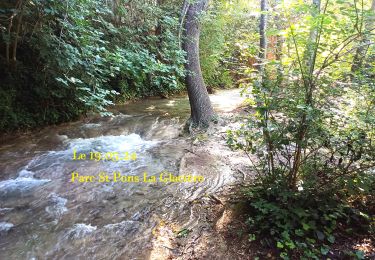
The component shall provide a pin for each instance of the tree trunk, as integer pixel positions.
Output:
(200, 104)
(262, 57)
(279, 38)
(181, 20)
(262, 32)
(310, 53)
(9, 40)
(279, 42)
(362, 49)
(310, 59)
(19, 23)
(159, 30)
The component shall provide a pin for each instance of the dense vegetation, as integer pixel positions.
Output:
(312, 129)
(63, 58)
(306, 69)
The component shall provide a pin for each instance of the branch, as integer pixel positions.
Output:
(338, 55)
(184, 10)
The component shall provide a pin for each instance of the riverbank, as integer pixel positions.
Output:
(73, 218)
(142, 220)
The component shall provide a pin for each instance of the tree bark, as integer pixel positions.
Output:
(362, 49)
(279, 42)
(279, 38)
(311, 44)
(200, 104)
(181, 20)
(19, 23)
(310, 59)
(159, 29)
(262, 57)
(9, 41)
(262, 32)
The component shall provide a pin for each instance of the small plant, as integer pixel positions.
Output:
(183, 233)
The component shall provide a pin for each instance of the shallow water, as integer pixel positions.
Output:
(45, 215)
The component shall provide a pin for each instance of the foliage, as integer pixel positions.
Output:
(183, 233)
(312, 131)
(306, 222)
(76, 56)
(225, 31)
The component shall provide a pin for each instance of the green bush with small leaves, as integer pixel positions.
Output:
(310, 132)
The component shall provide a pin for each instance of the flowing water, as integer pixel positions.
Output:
(46, 215)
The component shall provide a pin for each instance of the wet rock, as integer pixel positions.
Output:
(19, 186)
(80, 230)
(4, 211)
(5, 227)
(122, 228)
(57, 206)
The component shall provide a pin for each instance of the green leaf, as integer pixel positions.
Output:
(252, 237)
(360, 254)
(305, 226)
(284, 256)
(331, 239)
(324, 250)
(290, 244)
(183, 233)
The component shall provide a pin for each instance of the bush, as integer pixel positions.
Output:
(311, 135)
(304, 223)
(78, 56)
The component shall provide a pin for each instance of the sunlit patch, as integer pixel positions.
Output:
(171, 103)
(366, 246)
(151, 108)
(225, 104)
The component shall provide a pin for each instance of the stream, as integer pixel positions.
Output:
(44, 214)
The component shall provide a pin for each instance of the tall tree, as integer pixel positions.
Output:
(200, 104)
(262, 57)
(311, 49)
(364, 44)
(262, 32)
(279, 41)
